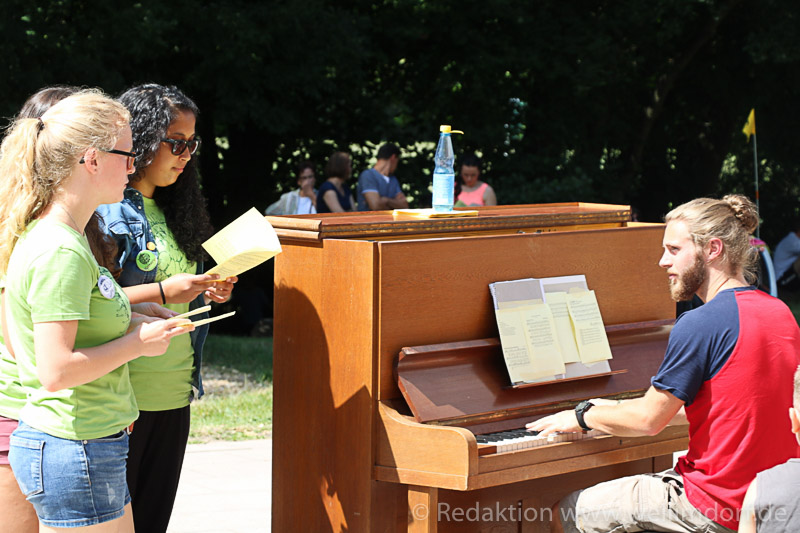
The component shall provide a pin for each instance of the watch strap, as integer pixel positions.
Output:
(580, 410)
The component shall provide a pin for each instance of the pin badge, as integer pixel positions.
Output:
(146, 260)
(106, 286)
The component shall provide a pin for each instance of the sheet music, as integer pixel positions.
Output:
(243, 244)
(550, 328)
(590, 333)
(530, 346)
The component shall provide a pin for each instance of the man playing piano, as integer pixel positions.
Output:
(727, 373)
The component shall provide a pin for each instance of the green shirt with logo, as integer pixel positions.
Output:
(165, 382)
(53, 277)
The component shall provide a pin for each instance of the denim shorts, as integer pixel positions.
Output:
(7, 426)
(71, 483)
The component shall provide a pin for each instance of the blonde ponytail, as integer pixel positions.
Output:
(38, 155)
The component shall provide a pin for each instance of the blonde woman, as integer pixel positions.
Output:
(70, 326)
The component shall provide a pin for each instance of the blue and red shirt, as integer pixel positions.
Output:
(732, 362)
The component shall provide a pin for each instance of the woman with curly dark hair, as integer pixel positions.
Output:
(159, 228)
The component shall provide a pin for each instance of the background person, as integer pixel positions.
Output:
(787, 262)
(378, 188)
(73, 329)
(474, 192)
(771, 503)
(334, 196)
(159, 227)
(719, 374)
(302, 201)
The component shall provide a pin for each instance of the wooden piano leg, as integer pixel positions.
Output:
(662, 462)
(423, 503)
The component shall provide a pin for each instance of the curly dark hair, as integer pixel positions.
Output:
(153, 107)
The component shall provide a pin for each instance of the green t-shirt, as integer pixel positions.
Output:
(53, 276)
(165, 382)
(12, 395)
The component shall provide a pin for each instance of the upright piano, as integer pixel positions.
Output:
(388, 372)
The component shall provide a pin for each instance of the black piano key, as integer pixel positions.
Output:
(505, 435)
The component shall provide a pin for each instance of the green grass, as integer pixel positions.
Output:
(242, 416)
(242, 409)
(251, 355)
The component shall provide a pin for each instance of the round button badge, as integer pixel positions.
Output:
(146, 260)
(106, 286)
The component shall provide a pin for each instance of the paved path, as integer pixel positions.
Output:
(226, 487)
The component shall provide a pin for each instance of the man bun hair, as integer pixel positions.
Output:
(744, 210)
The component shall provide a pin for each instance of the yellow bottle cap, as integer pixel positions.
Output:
(446, 129)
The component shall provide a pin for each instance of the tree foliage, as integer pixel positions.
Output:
(627, 102)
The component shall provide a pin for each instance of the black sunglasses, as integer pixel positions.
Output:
(130, 155)
(180, 145)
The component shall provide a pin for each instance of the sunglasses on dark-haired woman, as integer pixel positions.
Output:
(180, 145)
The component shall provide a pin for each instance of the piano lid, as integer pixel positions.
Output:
(493, 219)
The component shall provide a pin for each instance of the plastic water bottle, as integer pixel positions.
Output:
(444, 172)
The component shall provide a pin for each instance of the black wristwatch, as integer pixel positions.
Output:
(580, 410)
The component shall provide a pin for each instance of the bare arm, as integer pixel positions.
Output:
(747, 521)
(647, 415)
(382, 203)
(489, 197)
(178, 289)
(398, 202)
(59, 365)
(680, 418)
(332, 202)
(375, 202)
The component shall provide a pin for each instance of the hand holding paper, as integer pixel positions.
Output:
(243, 244)
(221, 290)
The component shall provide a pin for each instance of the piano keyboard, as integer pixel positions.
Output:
(519, 439)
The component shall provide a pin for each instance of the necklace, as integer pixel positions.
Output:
(77, 227)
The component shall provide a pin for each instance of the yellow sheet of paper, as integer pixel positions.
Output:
(529, 343)
(543, 339)
(587, 322)
(515, 345)
(243, 244)
(566, 337)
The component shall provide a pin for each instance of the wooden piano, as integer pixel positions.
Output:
(353, 290)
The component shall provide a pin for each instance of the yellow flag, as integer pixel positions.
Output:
(750, 127)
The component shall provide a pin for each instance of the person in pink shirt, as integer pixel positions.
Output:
(474, 192)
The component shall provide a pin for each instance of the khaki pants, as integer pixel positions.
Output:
(649, 502)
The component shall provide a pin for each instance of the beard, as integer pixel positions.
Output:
(689, 281)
